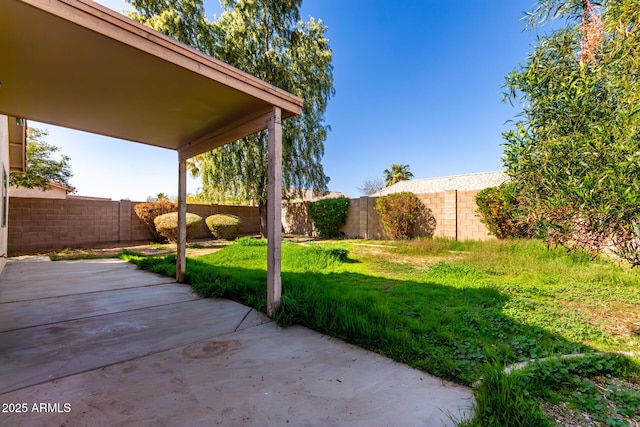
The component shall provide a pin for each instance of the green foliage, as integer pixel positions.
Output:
(250, 241)
(328, 215)
(514, 398)
(224, 226)
(183, 20)
(41, 168)
(499, 210)
(397, 173)
(167, 225)
(502, 401)
(148, 211)
(575, 153)
(214, 197)
(159, 196)
(399, 213)
(267, 39)
(589, 384)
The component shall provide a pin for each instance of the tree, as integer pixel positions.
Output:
(184, 20)
(499, 211)
(211, 197)
(371, 186)
(397, 173)
(41, 167)
(267, 39)
(158, 197)
(575, 152)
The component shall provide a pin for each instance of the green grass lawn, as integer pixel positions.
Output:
(458, 310)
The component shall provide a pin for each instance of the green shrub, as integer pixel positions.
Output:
(148, 211)
(167, 225)
(499, 210)
(400, 213)
(224, 226)
(328, 215)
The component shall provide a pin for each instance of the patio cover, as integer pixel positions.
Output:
(77, 64)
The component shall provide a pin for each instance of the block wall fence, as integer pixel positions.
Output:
(454, 213)
(39, 225)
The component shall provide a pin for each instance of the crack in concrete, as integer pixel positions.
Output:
(245, 316)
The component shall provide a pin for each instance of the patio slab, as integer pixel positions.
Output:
(54, 279)
(41, 353)
(192, 362)
(23, 314)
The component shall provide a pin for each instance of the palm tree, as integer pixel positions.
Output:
(397, 173)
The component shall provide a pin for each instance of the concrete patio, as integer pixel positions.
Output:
(100, 343)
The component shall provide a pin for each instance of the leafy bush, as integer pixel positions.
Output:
(224, 226)
(329, 215)
(148, 211)
(400, 214)
(167, 225)
(499, 210)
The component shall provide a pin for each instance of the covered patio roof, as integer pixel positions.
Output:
(83, 66)
(77, 64)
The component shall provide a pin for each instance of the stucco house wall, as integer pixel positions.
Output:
(55, 191)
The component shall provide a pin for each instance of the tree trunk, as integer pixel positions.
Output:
(262, 209)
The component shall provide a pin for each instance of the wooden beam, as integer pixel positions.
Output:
(181, 257)
(274, 211)
(239, 129)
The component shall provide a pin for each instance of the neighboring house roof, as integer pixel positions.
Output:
(78, 197)
(472, 181)
(311, 196)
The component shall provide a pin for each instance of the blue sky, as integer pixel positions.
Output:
(417, 82)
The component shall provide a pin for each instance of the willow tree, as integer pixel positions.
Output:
(575, 152)
(184, 20)
(265, 38)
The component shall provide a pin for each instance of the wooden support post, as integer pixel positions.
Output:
(181, 257)
(274, 211)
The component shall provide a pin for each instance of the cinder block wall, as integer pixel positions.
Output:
(454, 213)
(295, 219)
(435, 202)
(353, 224)
(469, 225)
(249, 214)
(38, 225)
(43, 224)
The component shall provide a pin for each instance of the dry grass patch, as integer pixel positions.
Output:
(616, 318)
(390, 255)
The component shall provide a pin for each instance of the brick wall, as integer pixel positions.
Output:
(48, 224)
(453, 213)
